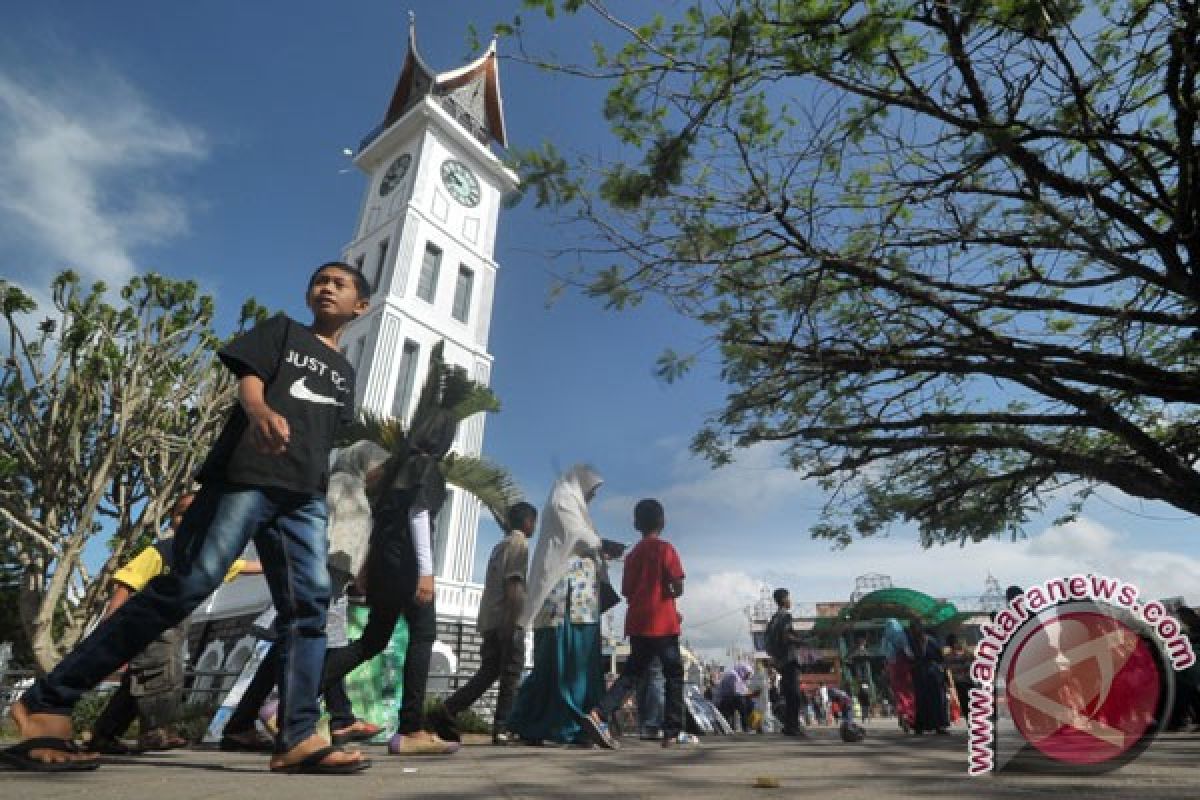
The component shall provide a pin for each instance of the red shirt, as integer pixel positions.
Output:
(649, 567)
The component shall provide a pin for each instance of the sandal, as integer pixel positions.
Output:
(314, 764)
(108, 746)
(250, 741)
(598, 731)
(160, 739)
(360, 731)
(18, 756)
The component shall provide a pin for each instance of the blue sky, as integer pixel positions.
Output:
(205, 140)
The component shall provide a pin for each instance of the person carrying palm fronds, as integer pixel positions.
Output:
(407, 494)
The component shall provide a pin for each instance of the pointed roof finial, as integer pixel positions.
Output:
(480, 106)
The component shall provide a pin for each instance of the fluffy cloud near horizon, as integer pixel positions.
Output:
(746, 527)
(86, 168)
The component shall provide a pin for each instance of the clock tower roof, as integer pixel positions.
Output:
(469, 94)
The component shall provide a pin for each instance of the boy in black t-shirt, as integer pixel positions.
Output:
(263, 480)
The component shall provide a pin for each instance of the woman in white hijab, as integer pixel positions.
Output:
(563, 608)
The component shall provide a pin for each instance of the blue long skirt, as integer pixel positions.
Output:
(567, 681)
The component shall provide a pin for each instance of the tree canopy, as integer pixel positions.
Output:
(105, 410)
(950, 251)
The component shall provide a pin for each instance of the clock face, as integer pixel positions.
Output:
(395, 173)
(460, 182)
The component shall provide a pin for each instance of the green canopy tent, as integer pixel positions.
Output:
(903, 604)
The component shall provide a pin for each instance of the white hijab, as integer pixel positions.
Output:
(566, 532)
(349, 510)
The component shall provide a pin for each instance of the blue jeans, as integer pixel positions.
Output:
(642, 650)
(651, 694)
(288, 529)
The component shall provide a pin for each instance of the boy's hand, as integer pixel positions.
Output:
(269, 432)
(425, 590)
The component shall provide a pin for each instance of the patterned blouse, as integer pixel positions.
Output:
(579, 585)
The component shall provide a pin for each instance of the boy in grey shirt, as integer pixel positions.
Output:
(503, 653)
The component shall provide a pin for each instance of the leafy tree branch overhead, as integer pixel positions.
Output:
(950, 251)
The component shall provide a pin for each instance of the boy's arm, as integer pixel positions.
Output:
(790, 634)
(514, 603)
(674, 570)
(421, 528)
(120, 596)
(269, 431)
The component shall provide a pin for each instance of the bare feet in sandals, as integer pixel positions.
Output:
(49, 727)
(315, 755)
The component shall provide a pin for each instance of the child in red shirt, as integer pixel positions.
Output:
(653, 579)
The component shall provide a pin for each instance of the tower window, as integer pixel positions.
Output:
(462, 294)
(431, 263)
(379, 267)
(405, 379)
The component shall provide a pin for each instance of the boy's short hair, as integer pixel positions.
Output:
(648, 515)
(780, 595)
(360, 281)
(519, 514)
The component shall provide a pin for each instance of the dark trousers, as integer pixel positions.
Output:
(789, 687)
(737, 707)
(151, 689)
(341, 712)
(502, 657)
(643, 650)
(391, 586)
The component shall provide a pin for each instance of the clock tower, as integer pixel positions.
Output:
(425, 239)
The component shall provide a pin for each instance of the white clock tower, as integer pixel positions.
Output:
(425, 240)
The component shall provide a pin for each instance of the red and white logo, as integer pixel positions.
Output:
(1084, 687)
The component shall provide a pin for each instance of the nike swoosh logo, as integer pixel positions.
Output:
(302, 392)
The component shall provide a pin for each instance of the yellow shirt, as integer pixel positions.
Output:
(148, 564)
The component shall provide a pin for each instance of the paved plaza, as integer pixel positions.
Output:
(886, 765)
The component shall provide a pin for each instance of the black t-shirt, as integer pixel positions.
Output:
(309, 384)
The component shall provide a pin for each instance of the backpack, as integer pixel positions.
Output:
(776, 638)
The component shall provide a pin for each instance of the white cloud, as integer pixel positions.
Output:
(714, 609)
(1083, 537)
(84, 168)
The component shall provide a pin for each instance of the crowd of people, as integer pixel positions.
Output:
(362, 524)
(366, 529)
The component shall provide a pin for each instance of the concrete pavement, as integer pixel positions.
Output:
(887, 765)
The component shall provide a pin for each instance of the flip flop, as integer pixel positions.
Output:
(246, 742)
(360, 731)
(159, 741)
(18, 756)
(313, 764)
(598, 732)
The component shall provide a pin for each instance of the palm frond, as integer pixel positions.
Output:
(431, 391)
(491, 483)
(476, 399)
(448, 386)
(385, 431)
